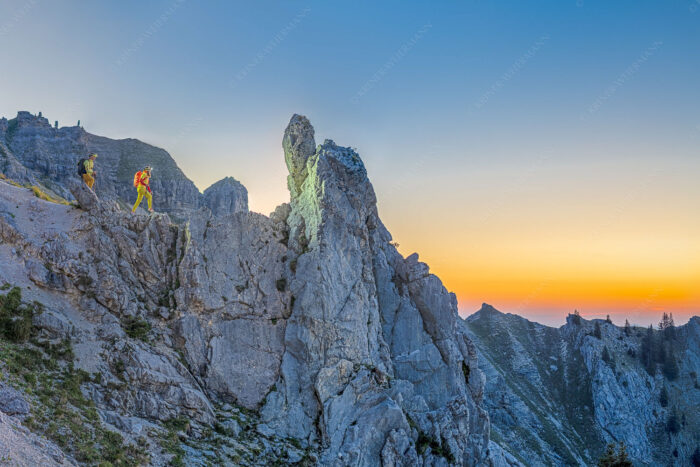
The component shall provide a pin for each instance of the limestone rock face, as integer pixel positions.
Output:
(33, 152)
(553, 399)
(12, 402)
(309, 318)
(299, 145)
(372, 339)
(86, 198)
(23, 449)
(227, 196)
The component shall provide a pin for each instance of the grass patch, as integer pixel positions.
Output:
(170, 441)
(41, 194)
(59, 410)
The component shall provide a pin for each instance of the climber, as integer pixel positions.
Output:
(143, 188)
(86, 170)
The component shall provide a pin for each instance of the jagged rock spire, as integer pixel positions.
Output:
(299, 145)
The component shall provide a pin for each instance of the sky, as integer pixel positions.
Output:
(539, 156)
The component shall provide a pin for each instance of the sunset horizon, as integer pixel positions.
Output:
(537, 169)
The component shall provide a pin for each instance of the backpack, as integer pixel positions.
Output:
(81, 167)
(137, 178)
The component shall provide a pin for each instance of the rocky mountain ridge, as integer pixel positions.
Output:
(34, 153)
(557, 396)
(231, 337)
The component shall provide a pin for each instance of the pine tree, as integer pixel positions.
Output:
(663, 397)
(667, 326)
(695, 459)
(609, 457)
(606, 356)
(622, 459)
(672, 425)
(576, 318)
(628, 329)
(596, 330)
(646, 354)
(615, 459)
(670, 328)
(670, 367)
(662, 323)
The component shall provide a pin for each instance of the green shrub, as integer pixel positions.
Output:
(60, 411)
(136, 327)
(663, 397)
(15, 316)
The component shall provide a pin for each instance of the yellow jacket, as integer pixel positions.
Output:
(88, 166)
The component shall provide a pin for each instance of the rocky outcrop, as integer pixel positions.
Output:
(12, 402)
(372, 339)
(310, 316)
(35, 153)
(19, 447)
(554, 399)
(227, 196)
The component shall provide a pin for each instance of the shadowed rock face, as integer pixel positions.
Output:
(310, 316)
(553, 400)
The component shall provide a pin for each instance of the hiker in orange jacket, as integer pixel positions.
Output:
(141, 182)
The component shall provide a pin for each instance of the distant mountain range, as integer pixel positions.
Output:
(557, 396)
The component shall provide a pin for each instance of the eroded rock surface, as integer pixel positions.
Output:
(309, 316)
(35, 153)
(554, 400)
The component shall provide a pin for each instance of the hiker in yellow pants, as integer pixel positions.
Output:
(141, 182)
(88, 171)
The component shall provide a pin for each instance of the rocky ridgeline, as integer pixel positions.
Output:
(33, 152)
(303, 337)
(558, 396)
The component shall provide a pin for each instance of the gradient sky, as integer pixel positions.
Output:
(540, 156)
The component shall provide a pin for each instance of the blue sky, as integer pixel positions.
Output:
(483, 117)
